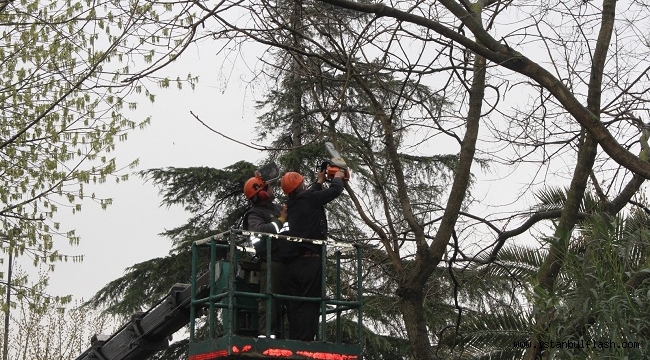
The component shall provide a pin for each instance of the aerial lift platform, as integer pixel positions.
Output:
(220, 305)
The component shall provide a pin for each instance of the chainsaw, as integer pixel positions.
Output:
(268, 173)
(333, 165)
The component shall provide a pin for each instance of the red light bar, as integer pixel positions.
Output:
(278, 352)
(326, 356)
(209, 356)
(244, 349)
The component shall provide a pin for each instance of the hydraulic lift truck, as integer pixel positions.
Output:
(220, 306)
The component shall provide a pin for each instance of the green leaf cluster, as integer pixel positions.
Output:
(67, 86)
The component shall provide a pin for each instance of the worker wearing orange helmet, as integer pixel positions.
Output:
(267, 217)
(307, 219)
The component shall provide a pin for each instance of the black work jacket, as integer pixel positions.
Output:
(306, 216)
(264, 218)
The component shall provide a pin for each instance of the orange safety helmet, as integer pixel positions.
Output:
(290, 182)
(252, 186)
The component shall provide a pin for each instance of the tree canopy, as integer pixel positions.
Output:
(67, 89)
(72, 75)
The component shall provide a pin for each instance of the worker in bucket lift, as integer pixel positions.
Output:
(268, 217)
(306, 219)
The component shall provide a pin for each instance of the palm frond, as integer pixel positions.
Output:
(519, 262)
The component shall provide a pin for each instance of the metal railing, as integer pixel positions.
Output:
(227, 247)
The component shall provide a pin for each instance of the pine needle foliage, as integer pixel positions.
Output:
(214, 198)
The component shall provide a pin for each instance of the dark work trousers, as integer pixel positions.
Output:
(277, 287)
(304, 278)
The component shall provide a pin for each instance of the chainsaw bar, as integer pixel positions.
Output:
(269, 172)
(336, 160)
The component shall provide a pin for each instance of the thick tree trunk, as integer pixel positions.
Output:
(411, 303)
